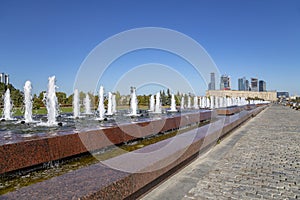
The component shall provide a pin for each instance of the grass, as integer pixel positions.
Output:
(41, 111)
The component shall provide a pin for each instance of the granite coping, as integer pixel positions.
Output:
(230, 110)
(125, 175)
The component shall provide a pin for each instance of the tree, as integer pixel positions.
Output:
(143, 100)
(168, 97)
(81, 97)
(118, 97)
(37, 103)
(163, 98)
(69, 100)
(61, 98)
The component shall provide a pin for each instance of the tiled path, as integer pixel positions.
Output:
(260, 160)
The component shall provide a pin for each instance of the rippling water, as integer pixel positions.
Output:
(14, 131)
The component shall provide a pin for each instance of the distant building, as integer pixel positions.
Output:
(268, 96)
(247, 88)
(4, 78)
(254, 84)
(241, 84)
(262, 86)
(212, 84)
(283, 95)
(225, 82)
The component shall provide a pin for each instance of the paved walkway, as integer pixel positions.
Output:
(260, 160)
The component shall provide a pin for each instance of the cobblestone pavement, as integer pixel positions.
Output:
(260, 160)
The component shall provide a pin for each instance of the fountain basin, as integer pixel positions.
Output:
(37, 151)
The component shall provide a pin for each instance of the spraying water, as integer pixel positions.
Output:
(114, 104)
(182, 103)
(157, 103)
(173, 104)
(152, 103)
(200, 102)
(204, 104)
(207, 102)
(212, 102)
(101, 108)
(189, 102)
(87, 104)
(7, 105)
(76, 105)
(133, 102)
(216, 102)
(221, 102)
(28, 102)
(196, 106)
(51, 102)
(109, 105)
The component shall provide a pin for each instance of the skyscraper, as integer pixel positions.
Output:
(262, 86)
(212, 84)
(247, 88)
(254, 84)
(241, 84)
(225, 82)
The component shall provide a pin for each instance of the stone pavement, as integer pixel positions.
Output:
(260, 160)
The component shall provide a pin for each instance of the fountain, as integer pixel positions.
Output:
(87, 104)
(207, 102)
(51, 102)
(7, 106)
(133, 103)
(216, 102)
(34, 143)
(201, 102)
(189, 102)
(28, 102)
(182, 103)
(196, 102)
(226, 102)
(152, 103)
(76, 105)
(212, 102)
(221, 102)
(114, 104)
(109, 105)
(101, 108)
(157, 103)
(173, 104)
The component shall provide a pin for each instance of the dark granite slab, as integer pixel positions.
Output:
(229, 110)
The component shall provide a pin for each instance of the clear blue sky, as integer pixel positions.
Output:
(259, 38)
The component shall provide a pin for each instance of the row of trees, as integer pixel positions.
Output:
(64, 100)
